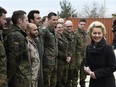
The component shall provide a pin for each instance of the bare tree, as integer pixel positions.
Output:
(93, 11)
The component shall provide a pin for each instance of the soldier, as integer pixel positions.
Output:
(18, 63)
(32, 33)
(50, 52)
(3, 65)
(63, 56)
(44, 22)
(35, 18)
(8, 26)
(69, 34)
(81, 43)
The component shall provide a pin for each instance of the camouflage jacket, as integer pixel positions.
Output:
(18, 65)
(63, 49)
(50, 47)
(39, 43)
(3, 61)
(80, 45)
(71, 43)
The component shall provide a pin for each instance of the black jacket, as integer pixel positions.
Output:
(101, 60)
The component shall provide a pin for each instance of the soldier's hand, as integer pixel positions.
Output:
(68, 59)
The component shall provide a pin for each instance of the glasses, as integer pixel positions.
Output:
(69, 26)
(59, 27)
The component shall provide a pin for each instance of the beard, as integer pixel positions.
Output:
(33, 35)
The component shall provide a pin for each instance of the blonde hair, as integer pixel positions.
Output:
(96, 24)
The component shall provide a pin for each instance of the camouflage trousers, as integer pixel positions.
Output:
(62, 73)
(34, 83)
(75, 74)
(50, 76)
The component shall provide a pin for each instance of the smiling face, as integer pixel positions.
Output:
(37, 19)
(68, 26)
(32, 30)
(53, 21)
(59, 29)
(97, 34)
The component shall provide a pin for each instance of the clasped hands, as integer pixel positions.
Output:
(88, 71)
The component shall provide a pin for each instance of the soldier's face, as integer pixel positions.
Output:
(45, 23)
(82, 25)
(37, 19)
(53, 20)
(69, 27)
(24, 22)
(3, 20)
(34, 31)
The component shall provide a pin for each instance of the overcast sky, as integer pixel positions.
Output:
(46, 6)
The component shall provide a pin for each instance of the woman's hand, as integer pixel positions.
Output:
(88, 71)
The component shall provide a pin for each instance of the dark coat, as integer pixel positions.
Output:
(114, 40)
(101, 60)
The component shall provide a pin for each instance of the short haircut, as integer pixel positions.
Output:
(2, 10)
(16, 15)
(82, 20)
(8, 23)
(51, 14)
(31, 14)
(44, 19)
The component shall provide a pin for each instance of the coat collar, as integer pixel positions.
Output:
(98, 48)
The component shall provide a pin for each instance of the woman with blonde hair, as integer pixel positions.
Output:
(100, 60)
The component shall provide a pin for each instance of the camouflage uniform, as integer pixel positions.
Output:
(3, 70)
(35, 61)
(71, 43)
(63, 65)
(39, 43)
(81, 43)
(18, 65)
(50, 57)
